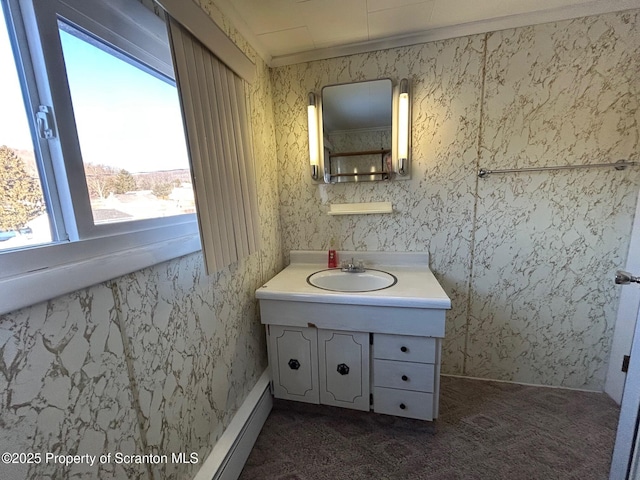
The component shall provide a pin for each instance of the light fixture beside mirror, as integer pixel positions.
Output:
(404, 126)
(314, 151)
(360, 131)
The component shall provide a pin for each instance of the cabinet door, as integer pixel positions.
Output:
(344, 369)
(293, 355)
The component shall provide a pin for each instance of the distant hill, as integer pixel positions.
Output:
(146, 180)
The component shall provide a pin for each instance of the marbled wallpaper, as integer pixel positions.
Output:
(434, 210)
(543, 301)
(65, 388)
(155, 362)
(527, 259)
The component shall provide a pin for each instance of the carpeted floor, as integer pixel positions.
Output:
(486, 430)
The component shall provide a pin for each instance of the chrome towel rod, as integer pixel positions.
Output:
(619, 165)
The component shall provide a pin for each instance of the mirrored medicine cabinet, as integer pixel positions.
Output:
(359, 132)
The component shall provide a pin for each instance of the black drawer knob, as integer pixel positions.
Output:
(294, 364)
(402, 406)
(343, 369)
(404, 349)
(405, 378)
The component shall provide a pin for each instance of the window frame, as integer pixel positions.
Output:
(82, 253)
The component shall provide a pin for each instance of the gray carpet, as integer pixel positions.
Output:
(486, 430)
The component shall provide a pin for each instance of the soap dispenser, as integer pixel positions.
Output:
(332, 261)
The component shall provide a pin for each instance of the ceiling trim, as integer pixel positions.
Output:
(227, 9)
(596, 7)
(462, 30)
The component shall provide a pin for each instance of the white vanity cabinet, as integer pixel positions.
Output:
(376, 350)
(320, 366)
(391, 374)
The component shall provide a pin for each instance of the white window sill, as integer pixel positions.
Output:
(95, 265)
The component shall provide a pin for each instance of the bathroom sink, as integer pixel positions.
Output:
(339, 281)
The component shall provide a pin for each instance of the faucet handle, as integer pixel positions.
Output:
(353, 266)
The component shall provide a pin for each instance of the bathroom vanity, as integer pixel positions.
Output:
(377, 349)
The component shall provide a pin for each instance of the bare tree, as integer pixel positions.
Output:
(99, 179)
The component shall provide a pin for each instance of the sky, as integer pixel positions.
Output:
(125, 117)
(14, 129)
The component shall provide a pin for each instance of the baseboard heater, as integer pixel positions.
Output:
(226, 460)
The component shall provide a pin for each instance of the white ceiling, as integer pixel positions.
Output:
(292, 31)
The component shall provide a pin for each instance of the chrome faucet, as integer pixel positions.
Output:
(352, 267)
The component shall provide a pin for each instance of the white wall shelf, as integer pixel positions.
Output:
(360, 208)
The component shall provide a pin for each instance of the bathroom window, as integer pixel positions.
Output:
(135, 160)
(91, 132)
(24, 216)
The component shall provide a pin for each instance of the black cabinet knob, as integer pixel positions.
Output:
(402, 406)
(405, 378)
(294, 364)
(343, 369)
(404, 349)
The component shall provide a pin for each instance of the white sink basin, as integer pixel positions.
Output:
(339, 281)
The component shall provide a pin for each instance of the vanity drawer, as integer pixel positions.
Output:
(403, 375)
(403, 403)
(404, 348)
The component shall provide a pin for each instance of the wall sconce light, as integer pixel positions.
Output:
(404, 114)
(314, 154)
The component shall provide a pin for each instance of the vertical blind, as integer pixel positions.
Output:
(219, 138)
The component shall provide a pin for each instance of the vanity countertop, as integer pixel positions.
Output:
(416, 287)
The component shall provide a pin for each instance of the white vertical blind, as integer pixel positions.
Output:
(220, 148)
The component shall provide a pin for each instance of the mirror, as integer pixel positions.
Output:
(358, 132)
